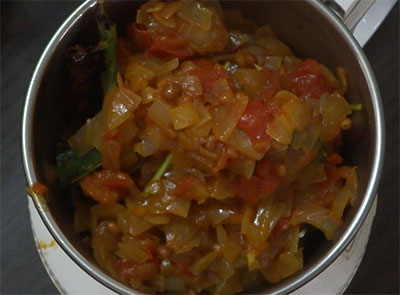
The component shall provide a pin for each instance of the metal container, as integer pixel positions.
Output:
(308, 27)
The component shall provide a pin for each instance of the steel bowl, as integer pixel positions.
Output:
(309, 27)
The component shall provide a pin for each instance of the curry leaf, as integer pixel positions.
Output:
(108, 42)
(70, 168)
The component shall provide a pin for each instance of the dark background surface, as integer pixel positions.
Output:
(27, 26)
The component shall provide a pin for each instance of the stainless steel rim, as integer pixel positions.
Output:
(289, 285)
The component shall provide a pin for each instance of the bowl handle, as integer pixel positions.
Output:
(361, 17)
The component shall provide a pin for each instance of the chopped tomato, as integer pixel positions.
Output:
(160, 46)
(334, 179)
(127, 268)
(334, 159)
(260, 186)
(273, 85)
(255, 120)
(40, 189)
(167, 46)
(106, 186)
(115, 179)
(307, 80)
(184, 186)
(191, 189)
(266, 169)
(209, 72)
(255, 188)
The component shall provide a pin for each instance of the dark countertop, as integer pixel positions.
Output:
(27, 26)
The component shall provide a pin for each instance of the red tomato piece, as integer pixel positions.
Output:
(248, 189)
(40, 189)
(209, 72)
(255, 188)
(105, 186)
(265, 169)
(115, 179)
(126, 268)
(255, 120)
(334, 159)
(307, 80)
(160, 46)
(184, 186)
(167, 46)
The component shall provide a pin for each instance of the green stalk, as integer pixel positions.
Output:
(355, 107)
(157, 176)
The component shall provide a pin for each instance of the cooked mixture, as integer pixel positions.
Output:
(210, 150)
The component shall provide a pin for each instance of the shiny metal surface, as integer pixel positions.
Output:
(309, 27)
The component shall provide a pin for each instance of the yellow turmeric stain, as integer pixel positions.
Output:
(44, 245)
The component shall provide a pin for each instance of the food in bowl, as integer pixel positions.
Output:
(213, 148)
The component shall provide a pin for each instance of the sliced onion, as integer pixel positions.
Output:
(313, 173)
(229, 248)
(240, 141)
(150, 94)
(88, 136)
(132, 225)
(191, 85)
(298, 113)
(127, 130)
(285, 265)
(159, 112)
(168, 67)
(329, 76)
(275, 46)
(317, 216)
(244, 166)
(273, 63)
(251, 80)
(203, 263)
(334, 109)
(196, 14)
(132, 250)
(204, 41)
(227, 116)
(165, 15)
(220, 188)
(121, 102)
(290, 62)
(313, 133)
(184, 115)
(281, 130)
(153, 6)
